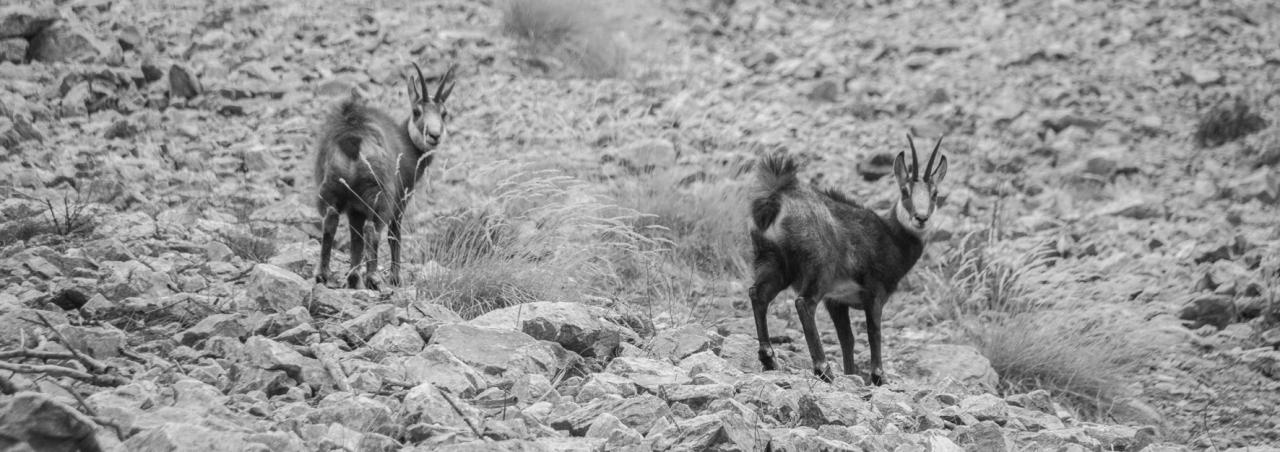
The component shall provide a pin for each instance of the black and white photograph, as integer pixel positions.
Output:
(640, 225)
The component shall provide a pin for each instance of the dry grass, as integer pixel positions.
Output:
(1032, 341)
(566, 32)
(256, 246)
(529, 236)
(704, 218)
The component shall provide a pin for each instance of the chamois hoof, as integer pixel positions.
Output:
(394, 279)
(766, 359)
(877, 379)
(355, 281)
(322, 278)
(824, 372)
(372, 282)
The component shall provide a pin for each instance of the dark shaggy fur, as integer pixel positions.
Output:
(830, 250)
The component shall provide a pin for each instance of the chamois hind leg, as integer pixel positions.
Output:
(331, 217)
(768, 282)
(393, 242)
(372, 239)
(355, 223)
(874, 306)
(807, 307)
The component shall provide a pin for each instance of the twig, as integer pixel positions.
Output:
(89, 363)
(35, 354)
(458, 410)
(59, 371)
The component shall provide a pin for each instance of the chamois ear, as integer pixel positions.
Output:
(940, 172)
(900, 170)
(412, 86)
(446, 84)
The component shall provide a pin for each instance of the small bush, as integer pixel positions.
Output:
(1225, 124)
(571, 32)
(531, 236)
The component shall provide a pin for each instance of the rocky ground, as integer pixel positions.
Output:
(158, 234)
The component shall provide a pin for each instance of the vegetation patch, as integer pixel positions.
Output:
(1226, 123)
(531, 236)
(565, 33)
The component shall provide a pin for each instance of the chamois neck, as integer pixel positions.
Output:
(903, 234)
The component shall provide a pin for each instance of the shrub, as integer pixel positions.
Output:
(531, 236)
(1224, 124)
(572, 32)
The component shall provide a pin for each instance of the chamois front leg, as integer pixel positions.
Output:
(807, 307)
(393, 242)
(355, 223)
(768, 283)
(874, 308)
(330, 229)
(372, 238)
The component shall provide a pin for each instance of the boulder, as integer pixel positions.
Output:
(397, 340)
(717, 431)
(26, 21)
(184, 436)
(183, 82)
(226, 325)
(948, 363)
(66, 42)
(636, 412)
(275, 289)
(364, 326)
(44, 423)
(679, 343)
(1213, 309)
(585, 330)
(437, 365)
(650, 374)
(833, 407)
(501, 353)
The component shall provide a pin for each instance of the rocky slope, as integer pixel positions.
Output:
(157, 233)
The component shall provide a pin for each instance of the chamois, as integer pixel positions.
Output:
(366, 167)
(832, 250)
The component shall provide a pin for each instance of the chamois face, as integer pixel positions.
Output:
(919, 194)
(428, 116)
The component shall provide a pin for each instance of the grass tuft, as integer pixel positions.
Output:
(1071, 351)
(532, 236)
(565, 32)
(1225, 124)
(257, 246)
(704, 219)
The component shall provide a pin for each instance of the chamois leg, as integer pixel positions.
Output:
(843, 296)
(807, 307)
(331, 217)
(372, 238)
(768, 283)
(874, 306)
(844, 332)
(355, 223)
(393, 242)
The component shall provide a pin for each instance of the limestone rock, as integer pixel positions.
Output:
(275, 289)
(582, 329)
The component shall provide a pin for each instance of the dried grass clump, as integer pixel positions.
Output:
(1081, 357)
(572, 33)
(703, 218)
(257, 246)
(532, 236)
(1227, 123)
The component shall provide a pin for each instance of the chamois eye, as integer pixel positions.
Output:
(417, 113)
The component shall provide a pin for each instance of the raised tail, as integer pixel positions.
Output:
(775, 174)
(348, 126)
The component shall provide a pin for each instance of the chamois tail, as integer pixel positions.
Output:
(348, 126)
(775, 174)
